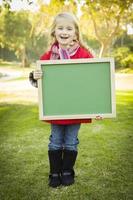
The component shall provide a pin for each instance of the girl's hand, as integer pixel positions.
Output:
(37, 74)
(98, 118)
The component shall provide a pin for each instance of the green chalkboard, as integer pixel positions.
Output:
(77, 89)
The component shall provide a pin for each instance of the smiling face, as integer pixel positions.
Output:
(65, 32)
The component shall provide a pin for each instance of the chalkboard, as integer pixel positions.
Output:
(77, 89)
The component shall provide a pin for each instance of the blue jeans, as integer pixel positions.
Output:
(64, 137)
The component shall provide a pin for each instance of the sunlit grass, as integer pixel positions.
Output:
(18, 79)
(18, 98)
(125, 70)
(12, 71)
(104, 164)
(17, 66)
(14, 65)
(7, 64)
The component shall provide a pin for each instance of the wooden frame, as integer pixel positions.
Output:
(104, 88)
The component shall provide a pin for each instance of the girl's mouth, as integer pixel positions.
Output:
(64, 37)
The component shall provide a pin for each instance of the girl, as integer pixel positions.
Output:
(62, 148)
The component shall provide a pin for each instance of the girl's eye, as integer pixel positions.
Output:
(69, 28)
(60, 28)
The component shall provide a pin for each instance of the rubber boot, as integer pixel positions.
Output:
(69, 158)
(55, 161)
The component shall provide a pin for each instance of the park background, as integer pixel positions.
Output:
(104, 169)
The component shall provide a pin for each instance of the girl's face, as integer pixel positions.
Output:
(65, 32)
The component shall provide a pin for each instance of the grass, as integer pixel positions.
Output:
(8, 64)
(17, 79)
(15, 65)
(125, 70)
(103, 168)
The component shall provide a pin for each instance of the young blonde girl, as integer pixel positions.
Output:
(62, 148)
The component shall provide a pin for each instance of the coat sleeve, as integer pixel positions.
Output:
(45, 56)
(32, 80)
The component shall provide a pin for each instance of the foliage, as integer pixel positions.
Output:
(124, 40)
(107, 18)
(123, 51)
(16, 35)
(27, 33)
(92, 43)
(15, 32)
(123, 57)
(37, 47)
(128, 61)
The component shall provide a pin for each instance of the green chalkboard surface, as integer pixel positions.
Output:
(75, 89)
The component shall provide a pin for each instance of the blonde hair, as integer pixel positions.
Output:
(71, 18)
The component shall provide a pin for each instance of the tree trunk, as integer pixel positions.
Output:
(102, 49)
(24, 58)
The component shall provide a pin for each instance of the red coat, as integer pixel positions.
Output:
(81, 53)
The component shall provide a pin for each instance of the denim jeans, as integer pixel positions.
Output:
(64, 137)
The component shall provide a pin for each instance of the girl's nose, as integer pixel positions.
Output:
(64, 31)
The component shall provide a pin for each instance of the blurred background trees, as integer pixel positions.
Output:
(105, 26)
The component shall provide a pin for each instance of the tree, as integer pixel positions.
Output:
(43, 18)
(14, 33)
(107, 18)
(25, 32)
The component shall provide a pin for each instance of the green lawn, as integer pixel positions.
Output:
(104, 168)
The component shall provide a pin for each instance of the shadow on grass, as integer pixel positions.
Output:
(103, 168)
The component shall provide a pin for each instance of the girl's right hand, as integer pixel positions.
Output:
(37, 74)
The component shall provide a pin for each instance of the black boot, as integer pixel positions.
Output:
(55, 161)
(68, 173)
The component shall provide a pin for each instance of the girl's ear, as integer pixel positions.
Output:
(75, 39)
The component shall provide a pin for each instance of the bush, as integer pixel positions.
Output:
(128, 61)
(123, 57)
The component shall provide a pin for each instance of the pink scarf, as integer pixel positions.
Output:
(59, 53)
